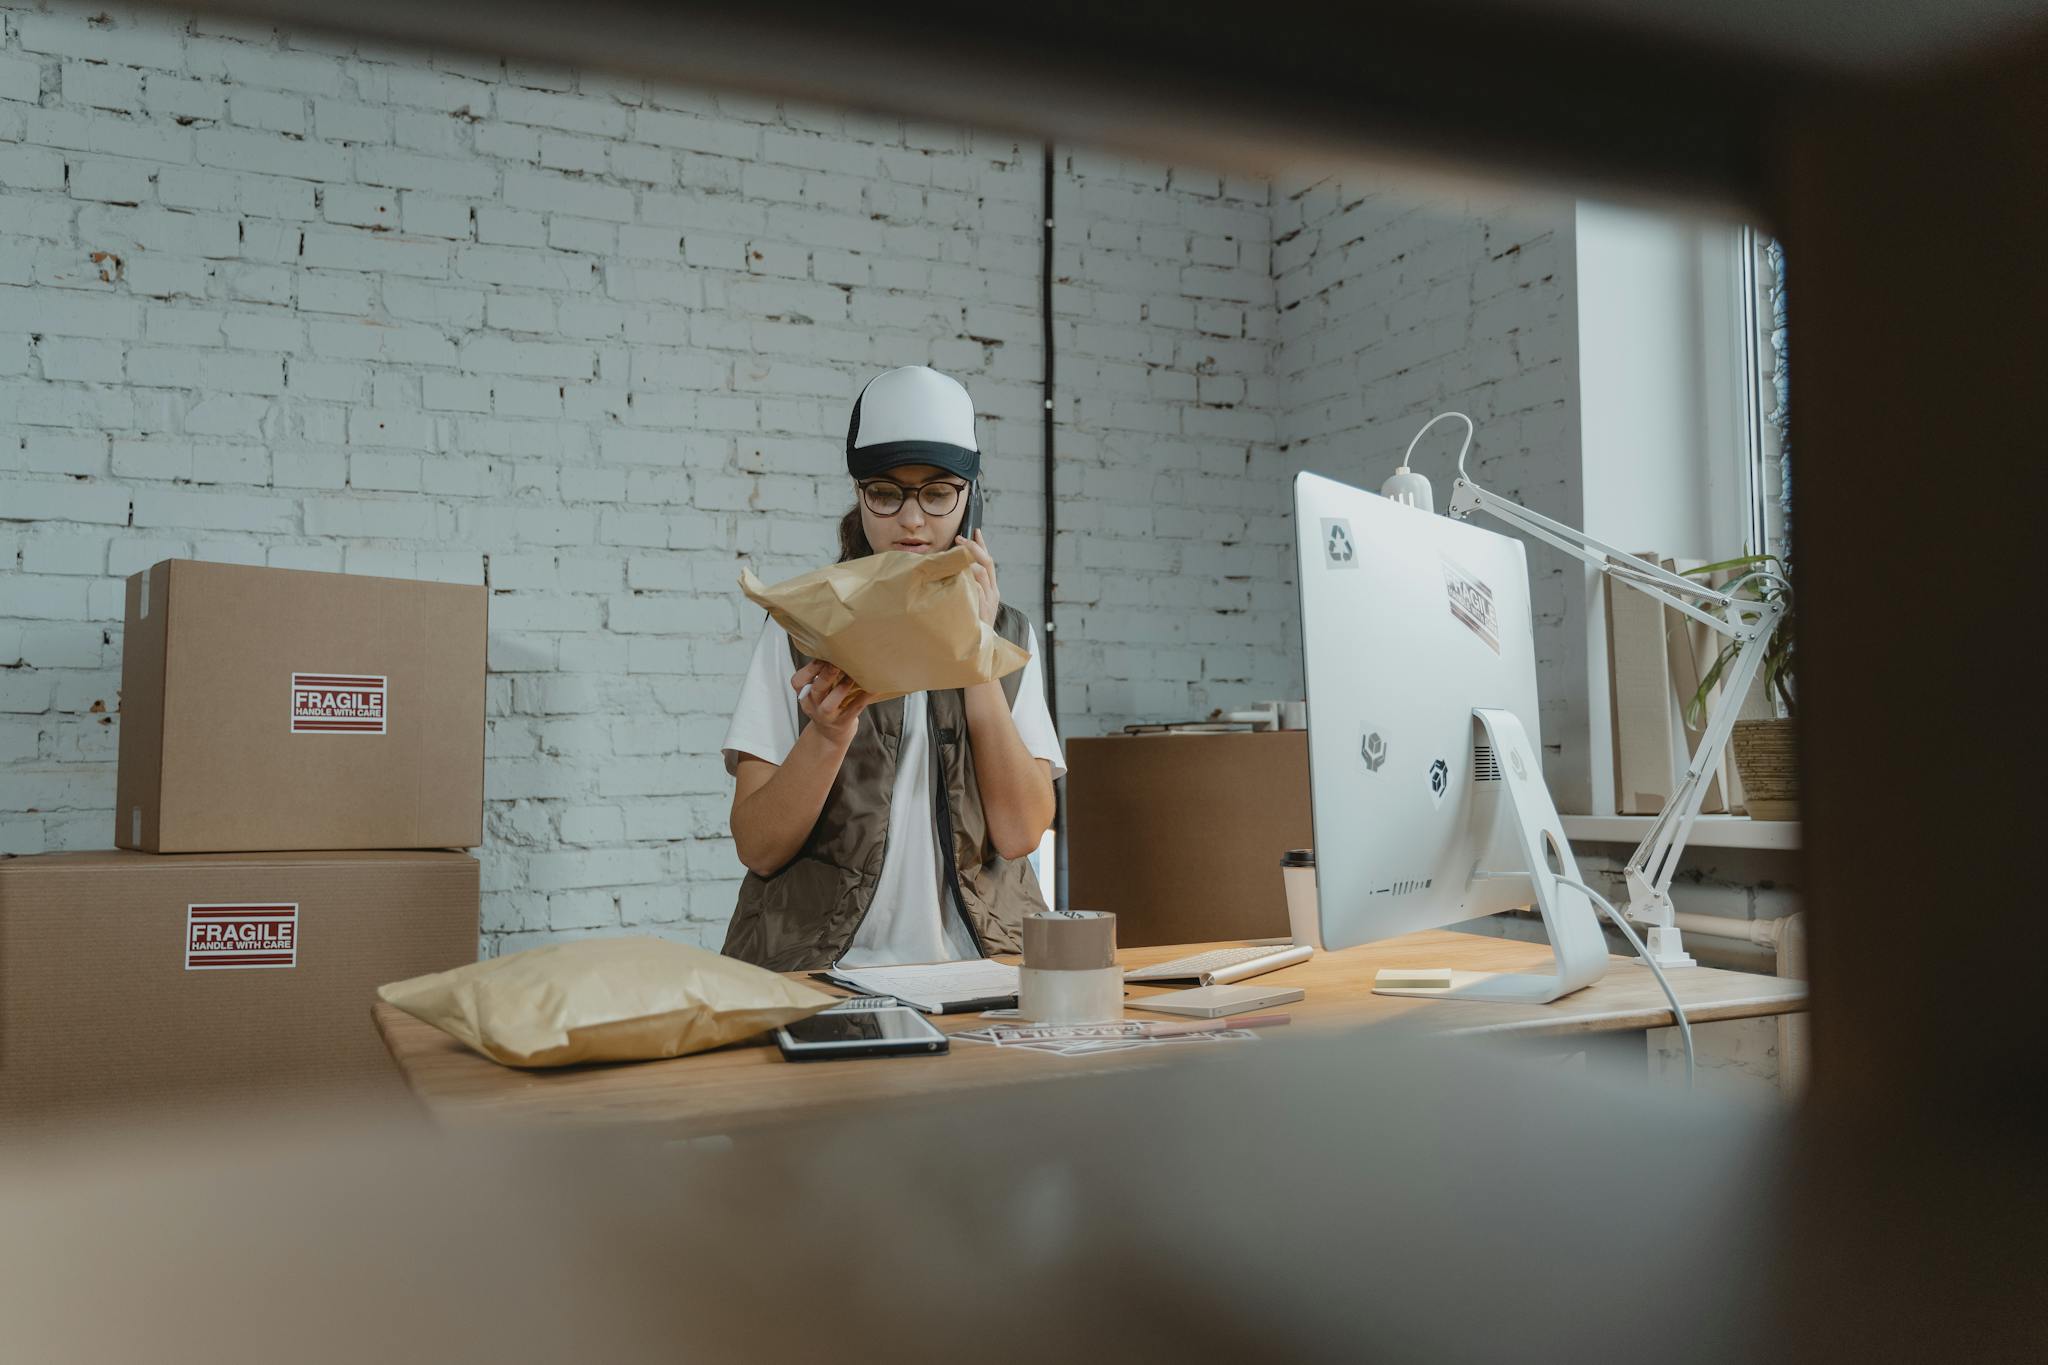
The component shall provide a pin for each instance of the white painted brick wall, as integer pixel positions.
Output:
(1172, 505)
(269, 299)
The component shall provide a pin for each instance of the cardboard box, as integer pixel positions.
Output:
(129, 979)
(279, 709)
(1647, 738)
(1693, 648)
(1181, 835)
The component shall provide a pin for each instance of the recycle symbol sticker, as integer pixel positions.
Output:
(1340, 549)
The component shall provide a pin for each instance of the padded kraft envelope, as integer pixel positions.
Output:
(895, 622)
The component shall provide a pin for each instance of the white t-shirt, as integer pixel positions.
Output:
(904, 921)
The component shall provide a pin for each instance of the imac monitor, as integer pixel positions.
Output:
(1421, 677)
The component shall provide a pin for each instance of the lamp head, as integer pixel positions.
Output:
(1406, 485)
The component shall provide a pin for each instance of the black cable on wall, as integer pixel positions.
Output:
(1049, 628)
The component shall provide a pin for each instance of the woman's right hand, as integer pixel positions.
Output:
(833, 703)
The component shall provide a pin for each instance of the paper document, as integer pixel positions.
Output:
(1081, 1040)
(931, 986)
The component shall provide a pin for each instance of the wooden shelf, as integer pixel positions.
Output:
(1708, 831)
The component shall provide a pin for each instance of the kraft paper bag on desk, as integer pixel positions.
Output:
(895, 622)
(603, 1000)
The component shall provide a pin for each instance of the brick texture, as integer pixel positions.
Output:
(268, 299)
(1395, 306)
(274, 300)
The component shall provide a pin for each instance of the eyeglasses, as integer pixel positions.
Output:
(885, 499)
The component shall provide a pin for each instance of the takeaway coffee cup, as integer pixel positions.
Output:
(1298, 876)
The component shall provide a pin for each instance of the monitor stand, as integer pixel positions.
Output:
(1577, 944)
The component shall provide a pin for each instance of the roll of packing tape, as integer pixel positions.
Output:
(1069, 940)
(1093, 996)
(1070, 974)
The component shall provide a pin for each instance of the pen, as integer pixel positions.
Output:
(987, 1002)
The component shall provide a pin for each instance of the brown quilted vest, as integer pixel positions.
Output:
(806, 914)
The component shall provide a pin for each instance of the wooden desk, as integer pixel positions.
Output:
(748, 1084)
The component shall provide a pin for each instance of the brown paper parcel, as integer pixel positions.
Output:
(603, 1000)
(895, 622)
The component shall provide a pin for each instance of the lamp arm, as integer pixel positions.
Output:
(1750, 623)
(1674, 590)
(1650, 868)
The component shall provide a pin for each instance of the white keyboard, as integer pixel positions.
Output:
(1235, 963)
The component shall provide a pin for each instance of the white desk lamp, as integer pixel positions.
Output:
(1750, 623)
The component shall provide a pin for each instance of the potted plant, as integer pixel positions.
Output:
(1765, 752)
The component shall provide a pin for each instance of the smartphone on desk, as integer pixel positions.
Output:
(890, 1030)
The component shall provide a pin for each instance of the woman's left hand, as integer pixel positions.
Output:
(984, 571)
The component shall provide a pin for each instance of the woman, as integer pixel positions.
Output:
(850, 858)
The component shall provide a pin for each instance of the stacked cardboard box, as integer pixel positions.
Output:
(291, 743)
(1657, 658)
(277, 709)
(138, 978)
(1693, 649)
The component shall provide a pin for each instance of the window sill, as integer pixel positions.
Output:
(1708, 831)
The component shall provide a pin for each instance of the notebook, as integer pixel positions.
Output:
(935, 987)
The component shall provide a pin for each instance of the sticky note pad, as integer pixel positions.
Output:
(1413, 979)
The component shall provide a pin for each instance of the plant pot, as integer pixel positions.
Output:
(1767, 757)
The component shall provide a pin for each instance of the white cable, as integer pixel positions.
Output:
(1469, 432)
(1677, 1010)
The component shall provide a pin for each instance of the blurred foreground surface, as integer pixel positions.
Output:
(1350, 1198)
(1363, 1197)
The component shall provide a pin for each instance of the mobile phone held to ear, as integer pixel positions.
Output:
(860, 1029)
(971, 522)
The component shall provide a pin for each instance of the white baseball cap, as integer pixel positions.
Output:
(912, 415)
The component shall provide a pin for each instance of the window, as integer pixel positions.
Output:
(1766, 391)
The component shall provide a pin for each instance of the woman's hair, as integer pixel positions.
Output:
(853, 537)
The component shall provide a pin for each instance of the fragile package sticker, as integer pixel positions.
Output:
(1472, 604)
(339, 704)
(241, 936)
